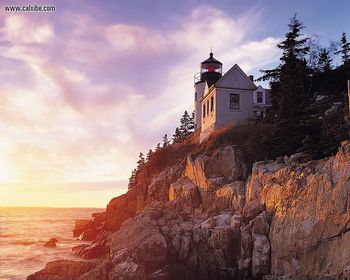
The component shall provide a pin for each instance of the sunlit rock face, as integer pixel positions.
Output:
(205, 219)
(310, 208)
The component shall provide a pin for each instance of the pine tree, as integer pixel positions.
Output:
(132, 178)
(186, 125)
(191, 123)
(141, 161)
(289, 81)
(149, 155)
(345, 49)
(324, 61)
(166, 142)
(294, 46)
(177, 137)
(158, 147)
(184, 122)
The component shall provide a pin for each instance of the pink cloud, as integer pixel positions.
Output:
(95, 93)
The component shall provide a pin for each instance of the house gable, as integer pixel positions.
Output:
(235, 78)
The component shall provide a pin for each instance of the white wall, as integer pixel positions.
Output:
(225, 115)
(210, 119)
(259, 89)
(199, 88)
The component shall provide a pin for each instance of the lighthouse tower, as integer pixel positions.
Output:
(210, 73)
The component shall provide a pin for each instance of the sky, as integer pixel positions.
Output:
(86, 88)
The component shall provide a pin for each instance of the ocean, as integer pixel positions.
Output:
(24, 231)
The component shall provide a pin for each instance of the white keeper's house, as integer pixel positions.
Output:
(221, 100)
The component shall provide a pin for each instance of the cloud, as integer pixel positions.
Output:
(20, 29)
(81, 97)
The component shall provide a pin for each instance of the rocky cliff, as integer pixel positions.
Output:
(207, 218)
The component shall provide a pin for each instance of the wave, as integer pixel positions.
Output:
(9, 235)
(24, 233)
(25, 242)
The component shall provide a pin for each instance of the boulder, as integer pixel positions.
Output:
(126, 265)
(295, 158)
(261, 224)
(236, 221)
(88, 226)
(171, 272)
(252, 209)
(118, 210)
(100, 272)
(333, 109)
(99, 217)
(159, 187)
(246, 246)
(62, 270)
(143, 236)
(80, 226)
(346, 273)
(92, 251)
(127, 270)
(320, 97)
(230, 197)
(51, 243)
(225, 163)
(89, 234)
(260, 256)
(185, 195)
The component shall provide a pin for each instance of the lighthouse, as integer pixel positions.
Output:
(210, 73)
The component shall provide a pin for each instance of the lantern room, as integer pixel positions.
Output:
(210, 71)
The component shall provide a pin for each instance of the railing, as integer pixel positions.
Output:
(197, 77)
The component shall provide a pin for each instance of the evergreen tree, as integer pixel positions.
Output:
(177, 137)
(185, 125)
(324, 61)
(289, 81)
(132, 179)
(345, 49)
(294, 45)
(149, 155)
(158, 147)
(166, 142)
(141, 161)
(191, 123)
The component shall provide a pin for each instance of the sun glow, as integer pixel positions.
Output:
(7, 172)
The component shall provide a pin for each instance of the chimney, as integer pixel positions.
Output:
(251, 77)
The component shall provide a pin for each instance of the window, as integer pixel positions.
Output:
(203, 111)
(259, 97)
(208, 107)
(234, 101)
(212, 104)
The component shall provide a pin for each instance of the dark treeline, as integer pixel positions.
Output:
(306, 73)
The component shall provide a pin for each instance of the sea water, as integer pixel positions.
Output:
(24, 231)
